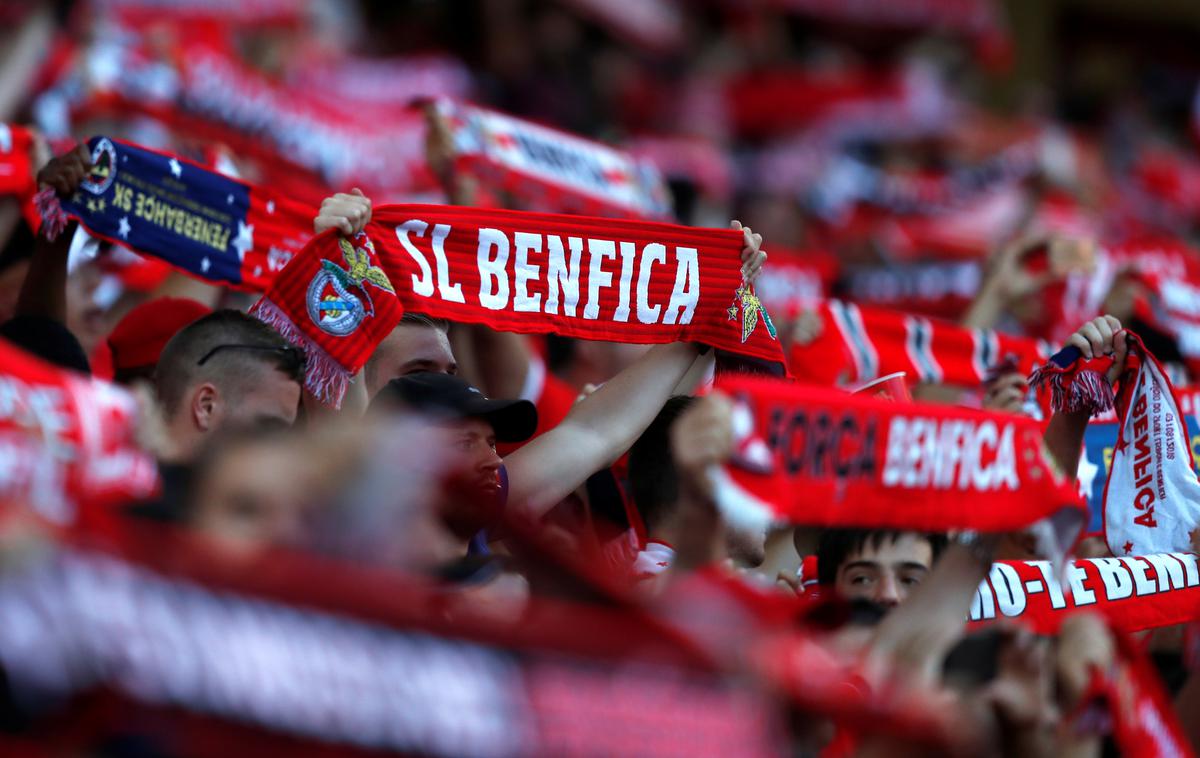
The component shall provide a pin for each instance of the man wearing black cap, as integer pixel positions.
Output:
(467, 426)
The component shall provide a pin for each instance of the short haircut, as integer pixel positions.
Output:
(652, 476)
(836, 545)
(420, 319)
(231, 370)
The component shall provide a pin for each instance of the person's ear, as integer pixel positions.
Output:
(205, 407)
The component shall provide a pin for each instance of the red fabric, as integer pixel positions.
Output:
(139, 337)
(16, 161)
(329, 271)
(858, 344)
(1132, 592)
(303, 140)
(1145, 724)
(551, 170)
(832, 459)
(274, 13)
(763, 103)
(553, 404)
(680, 283)
(1151, 496)
(794, 281)
(68, 443)
(624, 281)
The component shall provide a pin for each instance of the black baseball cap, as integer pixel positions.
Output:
(452, 397)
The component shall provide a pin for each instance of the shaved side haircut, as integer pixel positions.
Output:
(234, 347)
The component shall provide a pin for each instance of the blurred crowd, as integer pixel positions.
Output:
(506, 543)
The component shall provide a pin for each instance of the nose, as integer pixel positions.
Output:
(887, 591)
(490, 461)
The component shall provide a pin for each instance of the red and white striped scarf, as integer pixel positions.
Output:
(858, 344)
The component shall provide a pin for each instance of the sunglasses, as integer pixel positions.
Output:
(292, 358)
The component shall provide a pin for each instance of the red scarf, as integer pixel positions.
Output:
(551, 170)
(1152, 497)
(796, 280)
(858, 344)
(594, 278)
(358, 661)
(238, 13)
(819, 456)
(301, 138)
(16, 161)
(67, 442)
(1143, 718)
(1132, 592)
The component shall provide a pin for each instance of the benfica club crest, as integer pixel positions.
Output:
(338, 298)
(747, 307)
(104, 168)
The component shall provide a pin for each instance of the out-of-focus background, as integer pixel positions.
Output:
(895, 142)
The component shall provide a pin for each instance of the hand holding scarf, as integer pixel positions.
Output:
(1152, 498)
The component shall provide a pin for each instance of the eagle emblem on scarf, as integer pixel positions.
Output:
(338, 298)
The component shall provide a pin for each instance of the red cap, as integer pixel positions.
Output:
(138, 338)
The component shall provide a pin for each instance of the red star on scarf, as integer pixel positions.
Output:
(614, 176)
(504, 140)
(1128, 547)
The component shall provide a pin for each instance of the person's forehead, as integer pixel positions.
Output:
(415, 341)
(908, 547)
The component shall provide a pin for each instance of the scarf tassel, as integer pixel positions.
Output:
(49, 207)
(1082, 390)
(322, 375)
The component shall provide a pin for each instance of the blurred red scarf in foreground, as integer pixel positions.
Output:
(67, 442)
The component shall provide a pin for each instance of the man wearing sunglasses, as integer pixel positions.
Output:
(225, 369)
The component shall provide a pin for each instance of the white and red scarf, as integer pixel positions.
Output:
(1152, 497)
(822, 457)
(594, 278)
(551, 170)
(67, 442)
(300, 138)
(1132, 592)
(858, 344)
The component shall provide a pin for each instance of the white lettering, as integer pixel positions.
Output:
(524, 271)
(628, 252)
(422, 285)
(493, 280)
(562, 276)
(651, 254)
(685, 294)
(597, 276)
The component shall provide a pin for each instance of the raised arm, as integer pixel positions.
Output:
(597, 430)
(1102, 335)
(600, 428)
(44, 291)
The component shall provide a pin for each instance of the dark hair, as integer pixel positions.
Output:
(178, 367)
(48, 339)
(836, 545)
(652, 476)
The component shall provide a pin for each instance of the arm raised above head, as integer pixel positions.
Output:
(597, 430)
